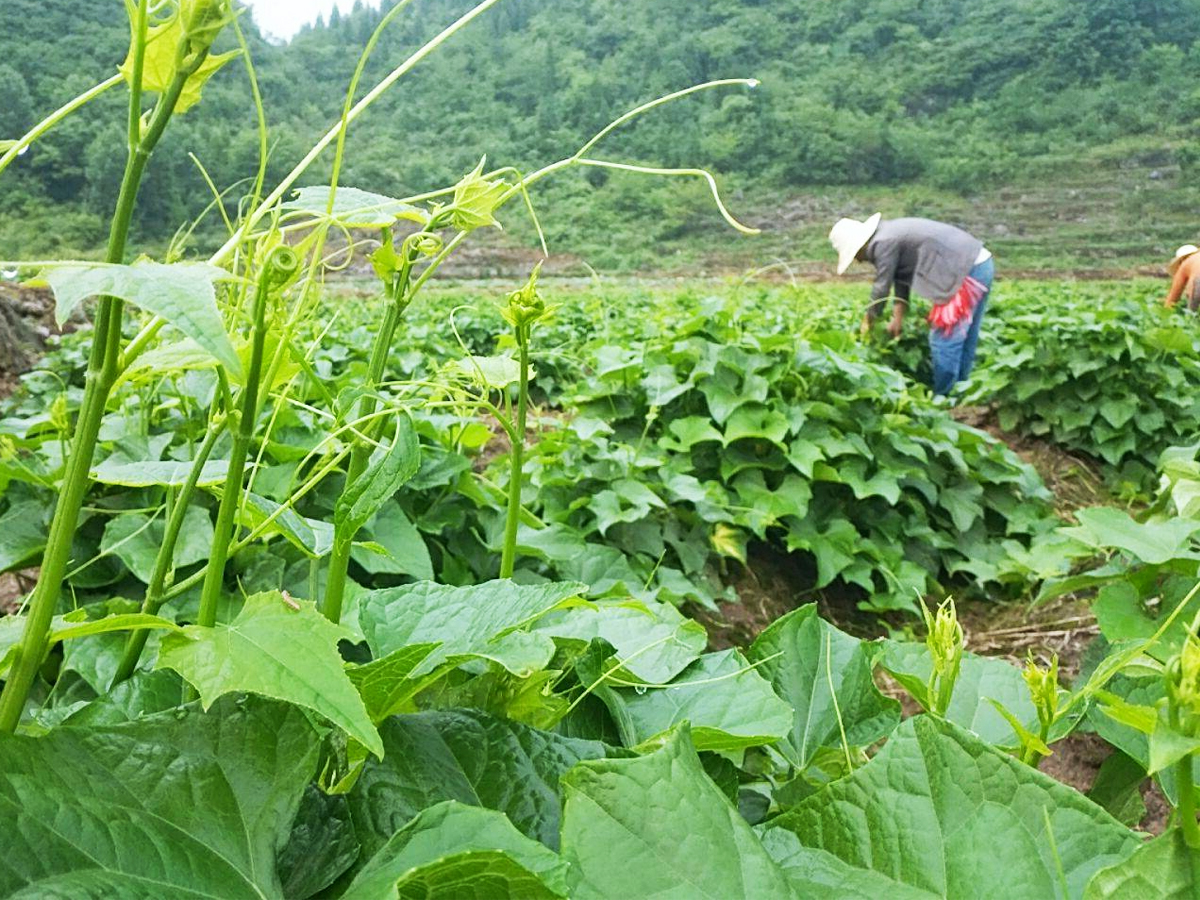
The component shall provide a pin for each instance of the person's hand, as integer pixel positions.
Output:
(894, 328)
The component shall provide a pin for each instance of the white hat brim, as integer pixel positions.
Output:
(848, 253)
(1178, 261)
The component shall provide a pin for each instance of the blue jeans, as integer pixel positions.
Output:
(954, 353)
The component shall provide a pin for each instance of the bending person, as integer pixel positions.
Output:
(945, 265)
(1185, 277)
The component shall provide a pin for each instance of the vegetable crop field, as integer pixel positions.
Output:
(382, 585)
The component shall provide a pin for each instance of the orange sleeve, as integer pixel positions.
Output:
(1177, 285)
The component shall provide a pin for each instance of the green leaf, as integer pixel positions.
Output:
(161, 59)
(355, 208)
(981, 680)
(277, 651)
(1168, 745)
(1163, 869)
(476, 621)
(476, 199)
(1122, 614)
(321, 846)
(312, 537)
(135, 539)
(826, 676)
(657, 827)
(438, 849)
(181, 804)
(405, 548)
(387, 685)
(940, 814)
(152, 473)
(690, 431)
(471, 757)
(1151, 542)
(64, 628)
(1117, 788)
(654, 642)
(387, 473)
(492, 372)
(728, 704)
(126, 622)
(756, 422)
(182, 293)
(23, 533)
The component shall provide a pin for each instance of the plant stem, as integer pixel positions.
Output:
(1184, 778)
(243, 432)
(102, 372)
(360, 452)
(508, 557)
(136, 642)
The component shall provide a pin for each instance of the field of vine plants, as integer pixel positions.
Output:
(386, 588)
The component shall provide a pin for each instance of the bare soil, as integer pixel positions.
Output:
(26, 323)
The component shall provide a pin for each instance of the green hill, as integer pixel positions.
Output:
(1061, 130)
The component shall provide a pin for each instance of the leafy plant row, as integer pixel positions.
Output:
(1110, 377)
(597, 734)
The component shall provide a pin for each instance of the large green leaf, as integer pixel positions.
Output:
(981, 680)
(468, 756)
(182, 293)
(480, 620)
(826, 676)
(440, 850)
(729, 705)
(182, 804)
(1152, 542)
(654, 642)
(940, 814)
(278, 651)
(1163, 869)
(657, 827)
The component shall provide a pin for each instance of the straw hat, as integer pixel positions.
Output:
(1180, 255)
(849, 236)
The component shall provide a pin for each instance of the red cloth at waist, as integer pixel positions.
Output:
(946, 316)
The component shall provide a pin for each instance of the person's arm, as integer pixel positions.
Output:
(899, 308)
(886, 257)
(1177, 285)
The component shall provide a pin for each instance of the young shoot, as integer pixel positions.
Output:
(945, 643)
(1180, 734)
(524, 309)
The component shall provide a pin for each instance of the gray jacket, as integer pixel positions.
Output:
(919, 255)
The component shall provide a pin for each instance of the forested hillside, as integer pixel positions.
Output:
(953, 99)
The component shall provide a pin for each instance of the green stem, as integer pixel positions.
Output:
(508, 558)
(243, 434)
(136, 641)
(1184, 778)
(102, 372)
(304, 490)
(360, 453)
